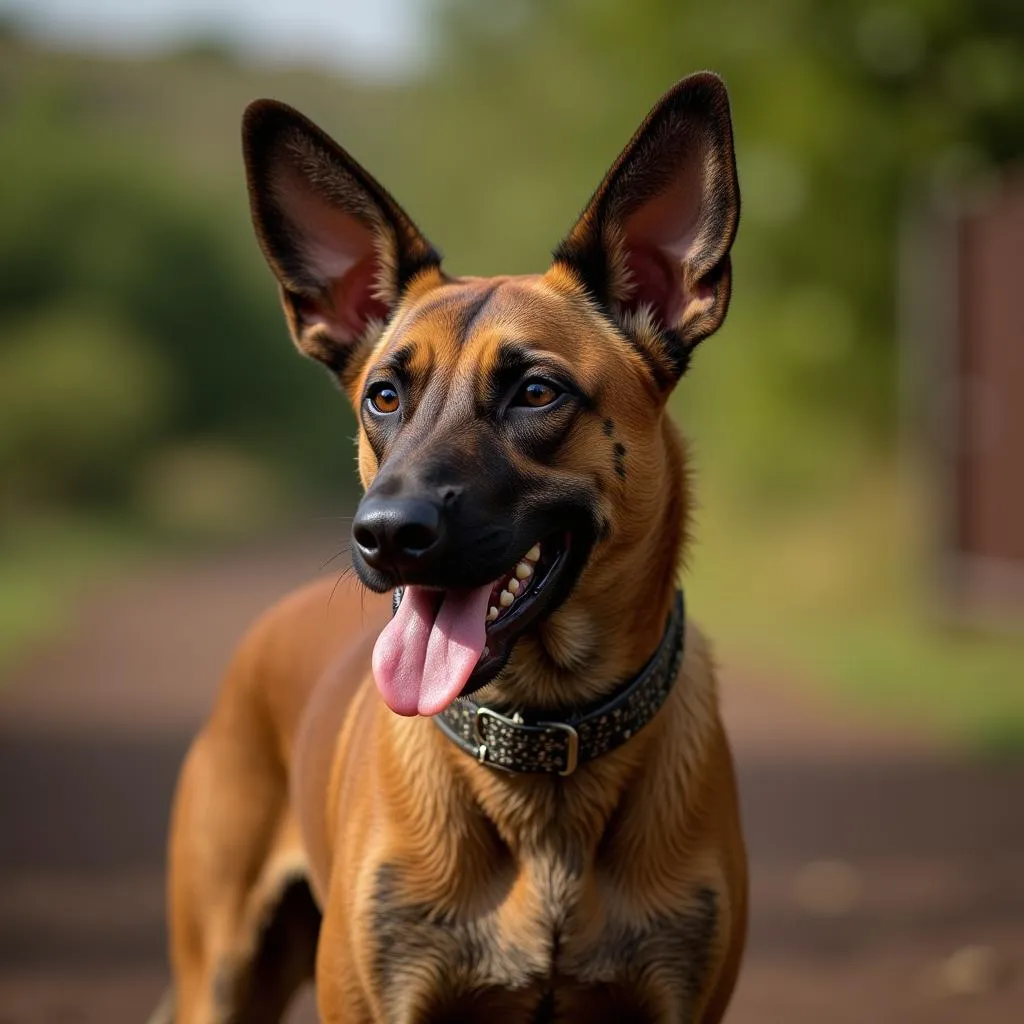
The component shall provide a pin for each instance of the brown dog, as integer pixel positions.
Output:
(547, 829)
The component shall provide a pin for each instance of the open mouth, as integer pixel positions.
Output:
(443, 644)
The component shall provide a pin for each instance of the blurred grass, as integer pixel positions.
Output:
(837, 596)
(195, 500)
(46, 567)
(811, 549)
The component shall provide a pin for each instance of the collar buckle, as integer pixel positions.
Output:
(478, 725)
(572, 747)
(478, 732)
(533, 747)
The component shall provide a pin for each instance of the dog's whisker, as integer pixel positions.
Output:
(349, 570)
(334, 590)
(346, 550)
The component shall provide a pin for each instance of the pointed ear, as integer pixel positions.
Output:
(652, 246)
(341, 248)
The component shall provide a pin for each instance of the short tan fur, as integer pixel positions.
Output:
(314, 830)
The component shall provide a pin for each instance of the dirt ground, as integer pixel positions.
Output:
(887, 874)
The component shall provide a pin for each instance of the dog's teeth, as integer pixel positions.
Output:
(492, 613)
(487, 651)
(513, 585)
(533, 554)
(524, 571)
(505, 599)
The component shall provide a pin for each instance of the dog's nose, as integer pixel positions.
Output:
(397, 533)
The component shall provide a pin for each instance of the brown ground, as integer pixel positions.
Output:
(887, 876)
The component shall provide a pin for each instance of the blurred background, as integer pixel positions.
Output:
(169, 465)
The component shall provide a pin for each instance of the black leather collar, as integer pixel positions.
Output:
(538, 743)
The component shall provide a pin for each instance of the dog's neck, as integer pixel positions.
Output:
(612, 625)
(615, 620)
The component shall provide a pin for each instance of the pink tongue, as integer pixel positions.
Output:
(423, 658)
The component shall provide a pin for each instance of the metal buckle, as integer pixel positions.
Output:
(478, 731)
(572, 753)
(572, 750)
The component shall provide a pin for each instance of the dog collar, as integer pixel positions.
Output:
(530, 744)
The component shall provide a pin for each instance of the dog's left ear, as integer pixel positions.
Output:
(652, 246)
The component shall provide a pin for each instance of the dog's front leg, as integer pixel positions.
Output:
(343, 979)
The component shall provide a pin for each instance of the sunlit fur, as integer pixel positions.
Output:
(449, 890)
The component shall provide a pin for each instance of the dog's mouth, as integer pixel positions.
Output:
(443, 644)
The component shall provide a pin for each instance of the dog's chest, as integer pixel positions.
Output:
(543, 948)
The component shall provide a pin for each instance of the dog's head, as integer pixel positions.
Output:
(524, 487)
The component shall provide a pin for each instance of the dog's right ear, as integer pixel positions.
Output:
(341, 248)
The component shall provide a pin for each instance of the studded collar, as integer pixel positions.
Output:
(529, 743)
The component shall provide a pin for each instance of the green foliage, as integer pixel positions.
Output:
(145, 369)
(79, 400)
(121, 205)
(841, 109)
(132, 320)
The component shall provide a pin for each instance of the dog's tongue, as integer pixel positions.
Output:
(428, 651)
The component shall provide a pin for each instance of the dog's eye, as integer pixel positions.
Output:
(535, 394)
(384, 398)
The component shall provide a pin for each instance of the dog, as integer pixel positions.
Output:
(487, 779)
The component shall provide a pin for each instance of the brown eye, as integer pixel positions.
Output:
(536, 394)
(384, 398)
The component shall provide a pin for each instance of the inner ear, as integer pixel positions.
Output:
(652, 246)
(347, 304)
(658, 237)
(654, 283)
(341, 248)
(338, 260)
